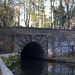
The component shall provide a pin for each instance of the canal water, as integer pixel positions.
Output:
(39, 67)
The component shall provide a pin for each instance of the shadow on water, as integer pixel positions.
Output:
(33, 64)
(39, 67)
(31, 59)
(33, 67)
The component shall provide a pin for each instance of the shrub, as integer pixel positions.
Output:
(12, 60)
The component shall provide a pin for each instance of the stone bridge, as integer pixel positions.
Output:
(40, 43)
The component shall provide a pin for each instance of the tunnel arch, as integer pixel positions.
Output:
(32, 50)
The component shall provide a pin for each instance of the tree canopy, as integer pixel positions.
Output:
(35, 15)
(6, 14)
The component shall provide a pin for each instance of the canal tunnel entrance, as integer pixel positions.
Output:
(32, 50)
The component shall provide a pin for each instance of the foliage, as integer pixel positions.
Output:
(11, 60)
(34, 13)
(70, 6)
(63, 14)
(6, 14)
(35, 10)
(71, 54)
(60, 17)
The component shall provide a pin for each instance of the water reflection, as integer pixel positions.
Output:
(37, 67)
(60, 69)
(33, 67)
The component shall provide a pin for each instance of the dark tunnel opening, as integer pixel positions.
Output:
(31, 51)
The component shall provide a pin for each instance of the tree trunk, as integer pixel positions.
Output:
(67, 18)
(51, 13)
(19, 17)
(44, 20)
(24, 13)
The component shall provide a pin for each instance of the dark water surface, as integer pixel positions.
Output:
(39, 67)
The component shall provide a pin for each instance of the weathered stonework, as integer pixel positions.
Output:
(6, 42)
(53, 42)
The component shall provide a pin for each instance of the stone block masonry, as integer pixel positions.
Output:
(54, 42)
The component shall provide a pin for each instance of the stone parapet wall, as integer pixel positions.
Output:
(6, 44)
(58, 41)
(63, 43)
(6, 41)
(8, 55)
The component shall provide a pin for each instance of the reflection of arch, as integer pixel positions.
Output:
(32, 50)
(34, 67)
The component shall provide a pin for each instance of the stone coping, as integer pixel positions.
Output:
(69, 60)
(7, 55)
